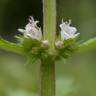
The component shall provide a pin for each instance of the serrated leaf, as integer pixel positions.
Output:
(88, 45)
(12, 47)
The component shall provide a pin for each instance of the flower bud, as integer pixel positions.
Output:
(59, 44)
(45, 44)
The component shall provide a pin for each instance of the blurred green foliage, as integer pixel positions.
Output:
(76, 77)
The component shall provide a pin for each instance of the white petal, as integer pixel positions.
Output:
(64, 35)
(71, 30)
(21, 30)
(76, 35)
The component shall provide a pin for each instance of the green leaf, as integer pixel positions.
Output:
(12, 47)
(88, 45)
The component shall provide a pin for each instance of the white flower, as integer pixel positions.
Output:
(32, 30)
(68, 31)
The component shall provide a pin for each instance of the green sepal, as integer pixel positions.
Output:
(28, 43)
(33, 48)
(70, 46)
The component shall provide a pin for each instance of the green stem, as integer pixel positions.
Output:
(49, 33)
(49, 20)
(48, 78)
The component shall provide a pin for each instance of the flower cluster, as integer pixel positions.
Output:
(32, 30)
(67, 31)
